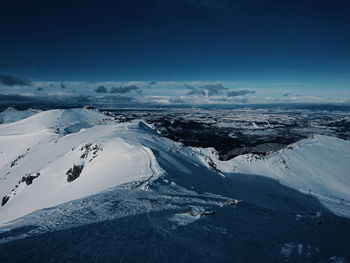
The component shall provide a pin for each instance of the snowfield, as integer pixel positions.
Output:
(12, 115)
(39, 148)
(68, 172)
(317, 166)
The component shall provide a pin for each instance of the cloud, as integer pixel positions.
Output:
(62, 101)
(213, 89)
(242, 92)
(112, 99)
(10, 81)
(199, 92)
(241, 100)
(125, 89)
(176, 101)
(190, 92)
(152, 83)
(101, 89)
(189, 86)
(14, 98)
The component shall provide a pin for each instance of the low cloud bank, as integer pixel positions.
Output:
(9, 80)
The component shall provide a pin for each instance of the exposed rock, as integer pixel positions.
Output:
(4, 200)
(230, 202)
(198, 213)
(14, 162)
(28, 179)
(74, 173)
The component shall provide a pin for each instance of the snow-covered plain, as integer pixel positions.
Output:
(79, 171)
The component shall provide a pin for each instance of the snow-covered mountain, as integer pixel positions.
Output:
(52, 158)
(61, 155)
(67, 169)
(12, 114)
(317, 166)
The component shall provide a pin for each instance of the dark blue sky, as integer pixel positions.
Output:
(179, 40)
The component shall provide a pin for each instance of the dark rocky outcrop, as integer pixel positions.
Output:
(74, 173)
(14, 162)
(28, 179)
(4, 200)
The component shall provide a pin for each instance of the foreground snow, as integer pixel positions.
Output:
(61, 155)
(36, 158)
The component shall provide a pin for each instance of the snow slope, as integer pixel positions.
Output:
(78, 177)
(318, 166)
(45, 161)
(56, 120)
(60, 155)
(12, 115)
(35, 165)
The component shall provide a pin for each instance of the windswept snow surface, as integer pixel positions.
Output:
(78, 186)
(317, 166)
(108, 154)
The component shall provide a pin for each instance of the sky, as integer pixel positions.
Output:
(177, 51)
